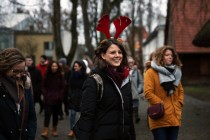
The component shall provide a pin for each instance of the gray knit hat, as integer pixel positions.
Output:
(62, 60)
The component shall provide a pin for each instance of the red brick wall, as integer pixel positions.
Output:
(187, 18)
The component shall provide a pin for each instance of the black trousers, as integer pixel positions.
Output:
(51, 110)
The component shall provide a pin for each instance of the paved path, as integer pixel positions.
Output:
(195, 123)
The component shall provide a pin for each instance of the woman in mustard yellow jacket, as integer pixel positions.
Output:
(162, 85)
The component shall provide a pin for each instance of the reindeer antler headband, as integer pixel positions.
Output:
(119, 23)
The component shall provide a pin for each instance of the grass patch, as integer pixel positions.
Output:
(199, 92)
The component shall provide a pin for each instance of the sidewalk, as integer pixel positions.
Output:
(195, 123)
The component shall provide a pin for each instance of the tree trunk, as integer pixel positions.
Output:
(140, 37)
(56, 28)
(74, 44)
(107, 7)
(87, 29)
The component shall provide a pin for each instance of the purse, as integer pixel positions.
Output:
(155, 111)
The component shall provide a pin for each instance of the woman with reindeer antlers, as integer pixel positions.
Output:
(110, 117)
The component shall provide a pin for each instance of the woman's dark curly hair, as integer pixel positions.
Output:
(49, 69)
(49, 74)
(81, 64)
(105, 44)
(10, 57)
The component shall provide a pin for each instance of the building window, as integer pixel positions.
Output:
(5, 41)
(48, 49)
(48, 46)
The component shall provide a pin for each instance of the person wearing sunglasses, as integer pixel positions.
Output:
(18, 118)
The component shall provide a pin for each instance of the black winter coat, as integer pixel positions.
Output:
(36, 79)
(11, 120)
(75, 89)
(109, 119)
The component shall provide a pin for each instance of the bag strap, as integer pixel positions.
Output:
(100, 87)
(164, 100)
(99, 96)
(138, 79)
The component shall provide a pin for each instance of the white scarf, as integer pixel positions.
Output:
(167, 76)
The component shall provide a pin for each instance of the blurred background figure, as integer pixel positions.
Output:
(88, 70)
(147, 64)
(65, 70)
(64, 67)
(42, 66)
(77, 77)
(18, 117)
(36, 79)
(137, 85)
(53, 88)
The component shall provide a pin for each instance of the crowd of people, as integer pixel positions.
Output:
(107, 110)
(53, 84)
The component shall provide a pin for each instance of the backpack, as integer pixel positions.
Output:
(100, 86)
(99, 96)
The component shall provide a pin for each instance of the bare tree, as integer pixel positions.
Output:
(94, 10)
(73, 31)
(91, 14)
(112, 8)
(28, 46)
(42, 20)
(150, 16)
(57, 28)
(88, 39)
(132, 30)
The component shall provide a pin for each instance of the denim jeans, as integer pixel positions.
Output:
(166, 133)
(72, 118)
(136, 108)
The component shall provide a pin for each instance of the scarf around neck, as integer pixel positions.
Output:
(118, 76)
(173, 76)
(14, 87)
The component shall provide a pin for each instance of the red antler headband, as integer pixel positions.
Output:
(120, 24)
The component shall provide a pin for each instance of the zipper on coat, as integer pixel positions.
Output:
(122, 103)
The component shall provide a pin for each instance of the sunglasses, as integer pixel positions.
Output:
(16, 71)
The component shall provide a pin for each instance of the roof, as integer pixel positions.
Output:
(31, 33)
(202, 38)
(12, 20)
(154, 34)
(184, 22)
(5, 29)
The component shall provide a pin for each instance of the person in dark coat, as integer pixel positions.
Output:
(137, 84)
(111, 118)
(77, 77)
(36, 79)
(18, 117)
(65, 71)
(53, 88)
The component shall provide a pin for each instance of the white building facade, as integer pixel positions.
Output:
(154, 41)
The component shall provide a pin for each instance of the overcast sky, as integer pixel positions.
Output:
(5, 6)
